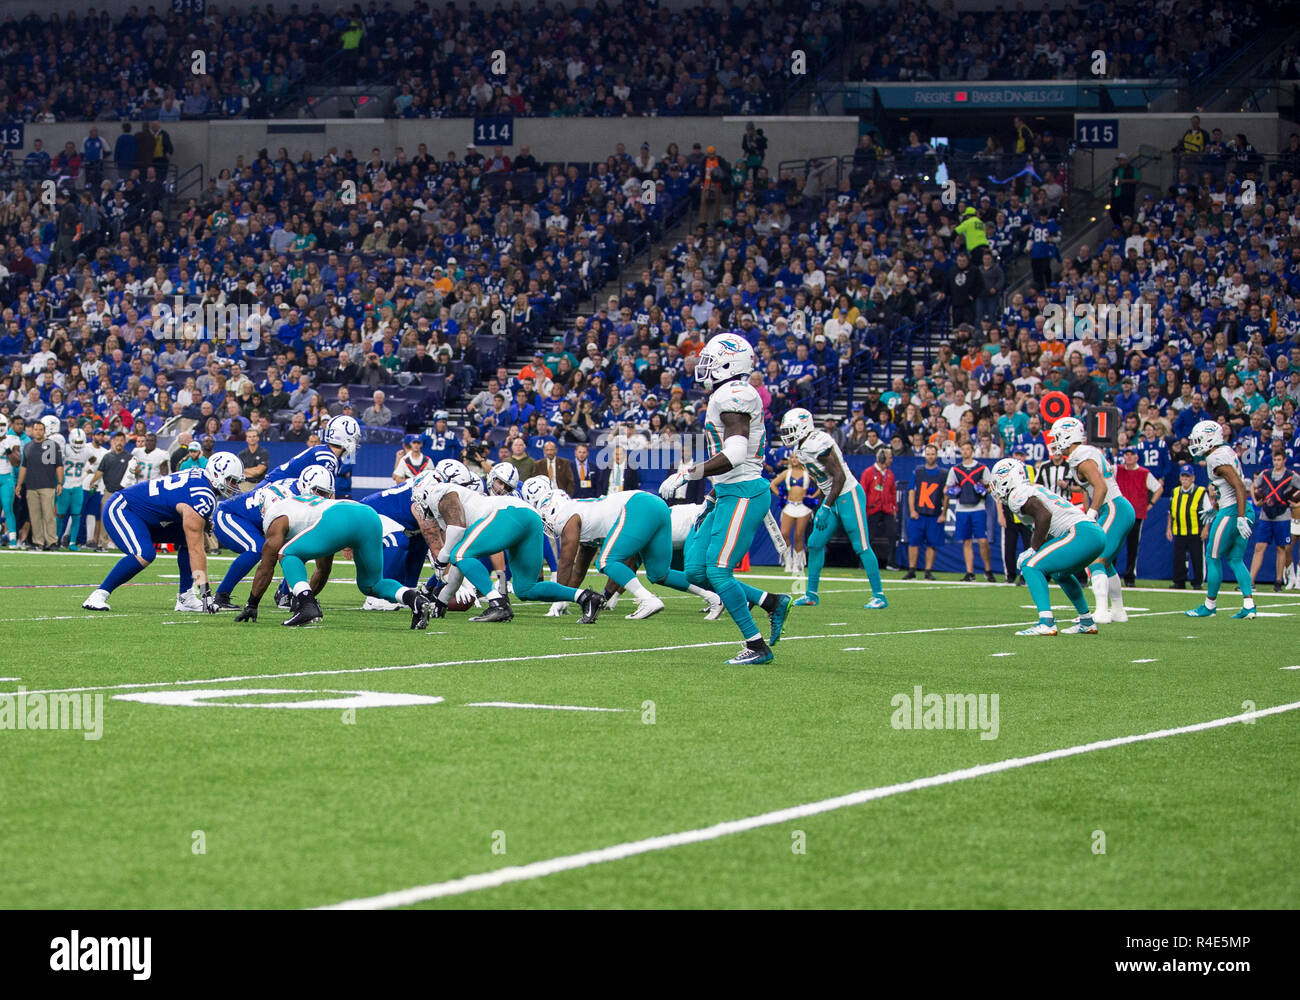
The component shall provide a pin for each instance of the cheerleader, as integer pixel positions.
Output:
(796, 489)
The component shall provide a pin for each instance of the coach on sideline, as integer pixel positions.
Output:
(1141, 489)
(42, 475)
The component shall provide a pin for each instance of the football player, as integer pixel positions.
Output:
(1233, 522)
(844, 506)
(342, 434)
(475, 525)
(238, 527)
(737, 443)
(174, 509)
(10, 459)
(1094, 473)
(1064, 541)
(618, 531)
(314, 527)
(79, 462)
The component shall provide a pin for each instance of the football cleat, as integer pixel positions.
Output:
(1102, 616)
(807, 601)
(1118, 615)
(714, 611)
(379, 604)
(1201, 612)
(778, 618)
(305, 610)
(222, 602)
(283, 599)
(748, 656)
(1042, 628)
(876, 604)
(1078, 628)
(1245, 614)
(644, 609)
(436, 608)
(188, 601)
(498, 611)
(591, 603)
(421, 609)
(98, 601)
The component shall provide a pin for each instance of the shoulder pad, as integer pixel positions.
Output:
(817, 443)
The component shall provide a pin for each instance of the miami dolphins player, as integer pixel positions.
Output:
(10, 458)
(342, 434)
(1064, 541)
(172, 509)
(618, 531)
(1233, 521)
(1095, 474)
(299, 529)
(475, 525)
(79, 461)
(238, 527)
(844, 507)
(737, 444)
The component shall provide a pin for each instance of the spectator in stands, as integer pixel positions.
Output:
(377, 414)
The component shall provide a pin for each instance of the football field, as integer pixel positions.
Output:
(917, 757)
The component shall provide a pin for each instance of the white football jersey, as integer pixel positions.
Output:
(79, 466)
(810, 451)
(145, 465)
(597, 515)
(10, 442)
(1064, 514)
(737, 397)
(302, 512)
(1084, 452)
(1223, 455)
(475, 505)
(684, 515)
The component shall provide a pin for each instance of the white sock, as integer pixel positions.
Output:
(638, 590)
(493, 595)
(401, 593)
(1211, 603)
(1116, 588)
(1099, 589)
(299, 588)
(1249, 602)
(708, 595)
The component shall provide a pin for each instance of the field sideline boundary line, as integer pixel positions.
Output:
(547, 656)
(618, 852)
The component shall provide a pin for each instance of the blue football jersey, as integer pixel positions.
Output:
(155, 500)
(245, 506)
(320, 454)
(394, 503)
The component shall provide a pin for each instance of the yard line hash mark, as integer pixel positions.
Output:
(617, 852)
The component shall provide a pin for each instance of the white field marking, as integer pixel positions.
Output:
(85, 617)
(19, 678)
(837, 623)
(855, 649)
(188, 621)
(558, 708)
(210, 699)
(1273, 614)
(1296, 667)
(540, 656)
(574, 638)
(1144, 661)
(1002, 654)
(617, 852)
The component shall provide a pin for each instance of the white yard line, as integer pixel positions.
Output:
(552, 656)
(617, 852)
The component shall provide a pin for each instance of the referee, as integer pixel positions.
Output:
(1185, 530)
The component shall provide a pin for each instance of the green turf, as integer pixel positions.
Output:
(300, 808)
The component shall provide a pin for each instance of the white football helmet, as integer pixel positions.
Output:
(536, 490)
(1066, 433)
(316, 480)
(428, 493)
(52, 425)
(796, 425)
(4, 425)
(475, 483)
(503, 479)
(1206, 436)
(345, 432)
(77, 437)
(552, 511)
(226, 473)
(725, 356)
(451, 471)
(1006, 475)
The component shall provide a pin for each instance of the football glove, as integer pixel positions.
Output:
(953, 491)
(1243, 527)
(981, 490)
(249, 614)
(1023, 558)
(557, 609)
(1091, 515)
(205, 597)
(821, 518)
(669, 488)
